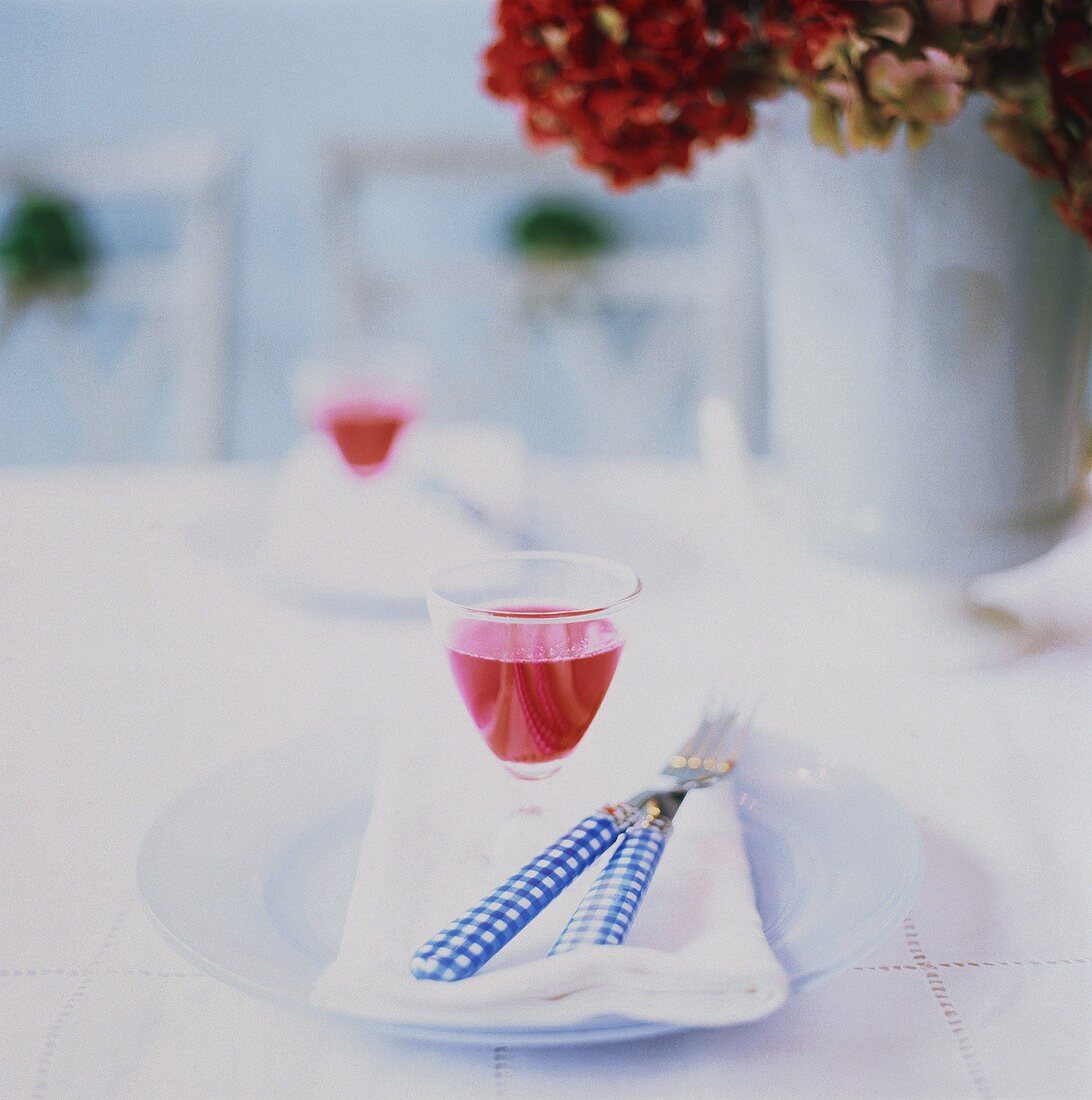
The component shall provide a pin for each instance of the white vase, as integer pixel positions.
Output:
(928, 322)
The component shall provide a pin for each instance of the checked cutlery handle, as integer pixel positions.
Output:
(469, 942)
(604, 915)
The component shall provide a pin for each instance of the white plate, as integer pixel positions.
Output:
(249, 873)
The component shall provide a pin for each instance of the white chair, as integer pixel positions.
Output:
(180, 298)
(705, 294)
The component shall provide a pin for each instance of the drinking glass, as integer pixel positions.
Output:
(363, 402)
(533, 640)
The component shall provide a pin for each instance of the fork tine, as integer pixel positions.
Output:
(708, 731)
(718, 750)
(731, 750)
(719, 731)
(722, 716)
(721, 707)
(697, 749)
(728, 734)
(690, 746)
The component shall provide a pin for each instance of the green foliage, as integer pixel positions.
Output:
(46, 249)
(559, 229)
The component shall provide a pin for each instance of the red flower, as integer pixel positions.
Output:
(955, 13)
(815, 30)
(1068, 62)
(1074, 204)
(634, 85)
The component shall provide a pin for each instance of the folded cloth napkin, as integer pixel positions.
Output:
(330, 534)
(696, 955)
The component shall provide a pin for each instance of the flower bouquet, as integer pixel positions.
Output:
(927, 300)
(636, 86)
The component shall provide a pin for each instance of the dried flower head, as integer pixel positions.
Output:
(636, 86)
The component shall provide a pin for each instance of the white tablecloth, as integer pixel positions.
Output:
(140, 649)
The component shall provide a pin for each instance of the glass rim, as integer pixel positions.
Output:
(493, 614)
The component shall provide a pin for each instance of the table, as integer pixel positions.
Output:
(141, 650)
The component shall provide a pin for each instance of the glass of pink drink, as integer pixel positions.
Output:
(533, 640)
(365, 427)
(364, 402)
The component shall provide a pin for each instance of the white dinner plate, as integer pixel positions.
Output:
(249, 873)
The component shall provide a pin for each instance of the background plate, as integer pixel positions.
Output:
(249, 873)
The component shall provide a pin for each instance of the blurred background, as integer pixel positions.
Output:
(237, 190)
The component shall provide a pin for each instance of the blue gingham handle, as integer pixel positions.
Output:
(604, 915)
(469, 942)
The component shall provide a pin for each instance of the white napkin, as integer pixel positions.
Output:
(696, 955)
(330, 533)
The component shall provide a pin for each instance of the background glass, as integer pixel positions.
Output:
(364, 402)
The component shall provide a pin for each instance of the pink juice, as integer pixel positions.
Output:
(365, 430)
(533, 688)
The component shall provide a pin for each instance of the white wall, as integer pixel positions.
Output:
(276, 78)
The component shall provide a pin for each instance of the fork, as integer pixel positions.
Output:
(465, 945)
(606, 911)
